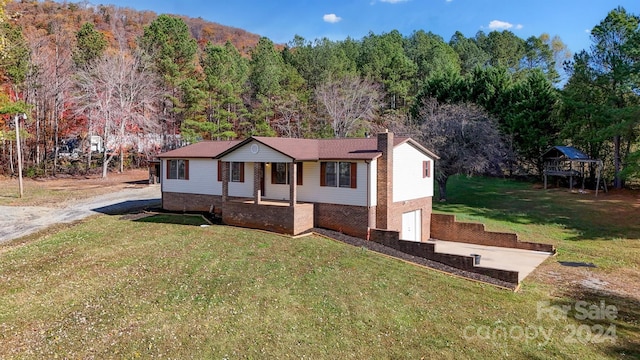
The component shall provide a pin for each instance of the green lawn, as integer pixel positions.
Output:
(116, 288)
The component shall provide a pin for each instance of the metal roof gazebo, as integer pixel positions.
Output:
(567, 161)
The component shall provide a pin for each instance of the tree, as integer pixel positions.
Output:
(319, 60)
(465, 137)
(530, 121)
(505, 49)
(539, 56)
(168, 42)
(265, 76)
(226, 73)
(350, 102)
(469, 53)
(614, 60)
(583, 110)
(382, 59)
(431, 55)
(90, 45)
(15, 59)
(3, 4)
(120, 94)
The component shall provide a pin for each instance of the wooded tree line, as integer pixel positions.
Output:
(158, 84)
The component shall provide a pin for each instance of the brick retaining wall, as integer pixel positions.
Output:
(446, 227)
(427, 251)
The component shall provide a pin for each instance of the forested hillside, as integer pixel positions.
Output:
(138, 83)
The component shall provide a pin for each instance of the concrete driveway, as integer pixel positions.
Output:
(522, 261)
(19, 221)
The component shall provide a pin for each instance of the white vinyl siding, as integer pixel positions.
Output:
(409, 181)
(265, 154)
(202, 179)
(241, 189)
(311, 190)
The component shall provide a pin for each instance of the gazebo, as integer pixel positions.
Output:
(567, 161)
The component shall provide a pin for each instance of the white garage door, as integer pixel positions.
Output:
(411, 226)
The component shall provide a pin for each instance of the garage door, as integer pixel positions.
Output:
(411, 226)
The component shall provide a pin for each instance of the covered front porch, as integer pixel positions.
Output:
(282, 216)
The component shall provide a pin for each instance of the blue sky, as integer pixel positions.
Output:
(281, 20)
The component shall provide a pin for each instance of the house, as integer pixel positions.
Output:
(291, 185)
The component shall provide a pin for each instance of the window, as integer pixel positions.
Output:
(237, 171)
(280, 173)
(338, 174)
(426, 169)
(178, 169)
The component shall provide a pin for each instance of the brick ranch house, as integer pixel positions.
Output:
(291, 185)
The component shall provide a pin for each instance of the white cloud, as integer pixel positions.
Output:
(331, 18)
(503, 25)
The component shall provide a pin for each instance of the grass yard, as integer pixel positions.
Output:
(112, 287)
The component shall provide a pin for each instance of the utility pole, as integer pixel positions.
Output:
(17, 120)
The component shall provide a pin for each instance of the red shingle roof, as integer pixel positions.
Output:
(203, 149)
(297, 149)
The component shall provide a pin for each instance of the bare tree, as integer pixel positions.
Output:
(118, 94)
(288, 117)
(464, 136)
(350, 103)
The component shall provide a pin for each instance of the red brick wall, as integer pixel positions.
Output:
(190, 202)
(394, 222)
(347, 219)
(384, 178)
(446, 227)
(291, 220)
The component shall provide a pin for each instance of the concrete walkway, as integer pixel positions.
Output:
(522, 261)
(19, 221)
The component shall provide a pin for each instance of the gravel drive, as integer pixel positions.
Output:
(19, 221)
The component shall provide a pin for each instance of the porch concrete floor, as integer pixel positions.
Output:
(522, 261)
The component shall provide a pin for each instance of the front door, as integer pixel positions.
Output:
(411, 226)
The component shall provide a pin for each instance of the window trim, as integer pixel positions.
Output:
(240, 170)
(353, 174)
(231, 171)
(426, 169)
(176, 176)
(274, 176)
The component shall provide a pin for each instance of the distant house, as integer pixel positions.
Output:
(292, 185)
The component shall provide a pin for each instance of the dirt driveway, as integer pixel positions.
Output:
(114, 197)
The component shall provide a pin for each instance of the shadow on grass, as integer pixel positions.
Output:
(176, 219)
(587, 216)
(609, 319)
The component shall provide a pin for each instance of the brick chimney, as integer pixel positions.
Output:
(385, 179)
